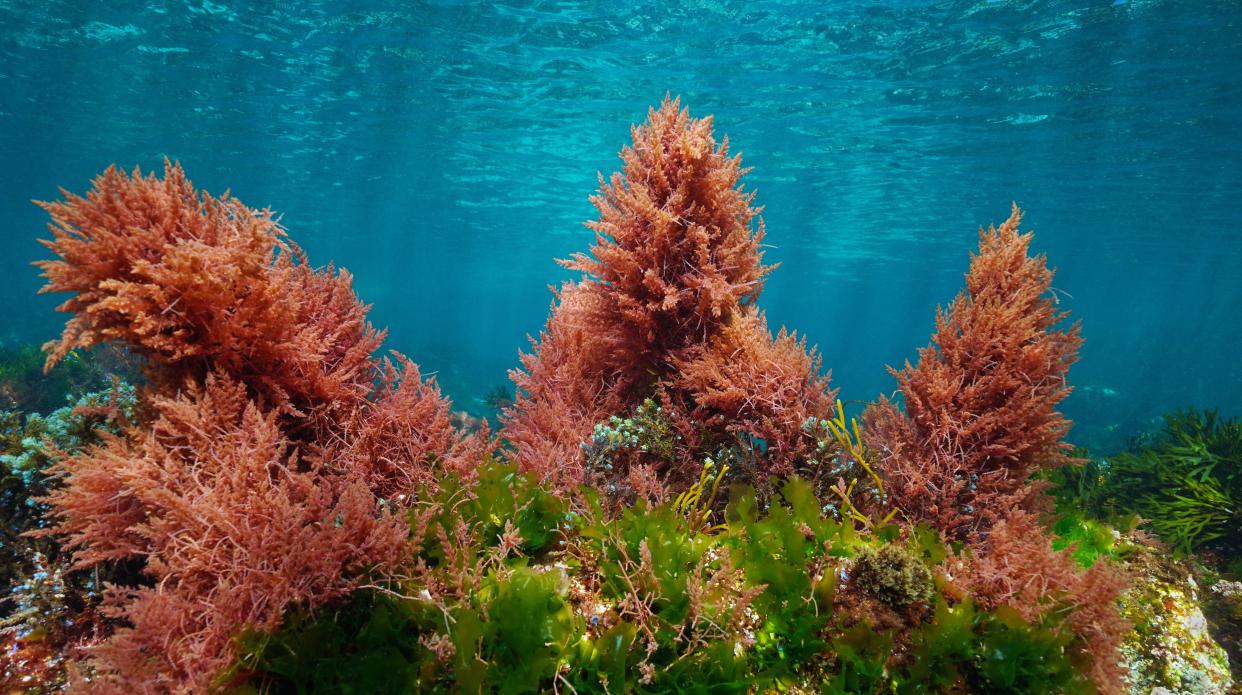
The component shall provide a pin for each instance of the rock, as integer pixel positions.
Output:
(1223, 607)
(1170, 650)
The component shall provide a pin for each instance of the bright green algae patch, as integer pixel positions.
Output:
(521, 591)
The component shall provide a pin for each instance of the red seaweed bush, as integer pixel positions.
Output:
(1017, 566)
(675, 255)
(274, 442)
(576, 377)
(980, 418)
(676, 263)
(232, 524)
(405, 428)
(980, 405)
(195, 283)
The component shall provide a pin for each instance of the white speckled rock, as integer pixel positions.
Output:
(1170, 651)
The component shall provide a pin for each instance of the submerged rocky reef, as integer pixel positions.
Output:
(675, 500)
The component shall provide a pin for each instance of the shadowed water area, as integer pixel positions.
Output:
(445, 152)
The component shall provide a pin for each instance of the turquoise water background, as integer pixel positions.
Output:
(444, 153)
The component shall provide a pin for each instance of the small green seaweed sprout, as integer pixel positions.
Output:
(849, 439)
(693, 505)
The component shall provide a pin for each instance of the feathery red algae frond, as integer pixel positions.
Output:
(406, 430)
(233, 527)
(576, 377)
(195, 283)
(675, 252)
(749, 382)
(980, 418)
(276, 431)
(980, 405)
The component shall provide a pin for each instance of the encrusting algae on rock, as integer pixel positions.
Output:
(1170, 648)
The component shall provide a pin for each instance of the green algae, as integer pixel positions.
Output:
(645, 601)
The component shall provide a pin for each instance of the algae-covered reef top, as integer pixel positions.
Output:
(675, 499)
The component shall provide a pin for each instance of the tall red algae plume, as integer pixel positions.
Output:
(195, 283)
(1017, 566)
(677, 260)
(980, 417)
(980, 405)
(675, 252)
(274, 442)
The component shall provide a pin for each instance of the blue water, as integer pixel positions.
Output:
(444, 152)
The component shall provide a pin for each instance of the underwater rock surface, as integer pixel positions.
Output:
(1170, 649)
(1224, 613)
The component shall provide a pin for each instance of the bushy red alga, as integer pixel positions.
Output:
(664, 310)
(275, 447)
(980, 404)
